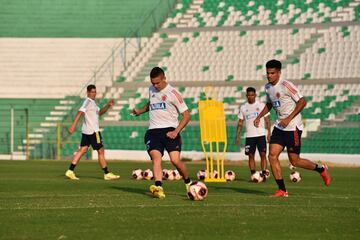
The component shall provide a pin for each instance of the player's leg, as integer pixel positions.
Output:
(84, 146)
(294, 148)
(155, 150)
(96, 143)
(276, 147)
(251, 163)
(250, 148)
(261, 146)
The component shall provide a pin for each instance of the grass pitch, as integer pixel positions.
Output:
(37, 202)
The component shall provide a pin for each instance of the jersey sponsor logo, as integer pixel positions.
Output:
(276, 104)
(178, 96)
(157, 106)
(251, 115)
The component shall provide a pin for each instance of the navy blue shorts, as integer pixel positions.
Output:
(289, 139)
(156, 139)
(95, 140)
(252, 142)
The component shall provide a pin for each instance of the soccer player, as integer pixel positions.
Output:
(255, 137)
(164, 106)
(90, 133)
(288, 102)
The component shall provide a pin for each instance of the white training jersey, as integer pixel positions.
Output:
(164, 107)
(283, 96)
(91, 120)
(248, 112)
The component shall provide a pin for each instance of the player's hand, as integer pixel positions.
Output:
(71, 129)
(257, 122)
(283, 123)
(172, 134)
(237, 141)
(135, 112)
(111, 103)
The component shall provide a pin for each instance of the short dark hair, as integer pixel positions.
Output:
(274, 64)
(250, 89)
(90, 87)
(156, 71)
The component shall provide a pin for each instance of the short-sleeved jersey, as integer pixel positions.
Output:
(91, 112)
(164, 107)
(283, 96)
(248, 112)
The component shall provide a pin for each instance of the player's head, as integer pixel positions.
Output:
(91, 91)
(251, 94)
(158, 79)
(273, 71)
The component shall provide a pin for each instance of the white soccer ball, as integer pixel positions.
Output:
(137, 174)
(169, 175)
(215, 174)
(292, 167)
(164, 173)
(176, 174)
(148, 174)
(267, 174)
(295, 177)
(197, 191)
(230, 175)
(201, 174)
(256, 177)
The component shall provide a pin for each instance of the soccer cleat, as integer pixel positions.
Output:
(187, 185)
(280, 193)
(111, 176)
(71, 175)
(157, 191)
(325, 175)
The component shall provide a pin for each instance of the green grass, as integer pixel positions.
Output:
(37, 202)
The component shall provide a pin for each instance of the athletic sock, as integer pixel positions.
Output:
(281, 184)
(158, 183)
(319, 169)
(72, 167)
(187, 180)
(252, 171)
(105, 169)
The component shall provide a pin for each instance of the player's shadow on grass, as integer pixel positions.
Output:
(239, 190)
(140, 191)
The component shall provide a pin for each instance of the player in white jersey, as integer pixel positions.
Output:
(164, 106)
(255, 137)
(288, 102)
(90, 133)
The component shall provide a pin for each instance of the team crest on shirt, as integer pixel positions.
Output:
(278, 95)
(164, 97)
(257, 109)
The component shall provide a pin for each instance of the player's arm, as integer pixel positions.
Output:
(298, 108)
(265, 110)
(139, 111)
(106, 107)
(268, 127)
(238, 130)
(185, 118)
(78, 116)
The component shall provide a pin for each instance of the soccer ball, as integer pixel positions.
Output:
(267, 174)
(230, 175)
(201, 174)
(215, 174)
(148, 174)
(176, 174)
(197, 191)
(256, 177)
(291, 167)
(164, 172)
(169, 175)
(295, 177)
(137, 174)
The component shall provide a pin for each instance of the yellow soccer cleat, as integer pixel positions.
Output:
(187, 185)
(111, 176)
(157, 191)
(71, 175)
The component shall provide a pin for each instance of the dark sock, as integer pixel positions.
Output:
(105, 169)
(252, 171)
(319, 169)
(72, 167)
(281, 184)
(158, 183)
(187, 180)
